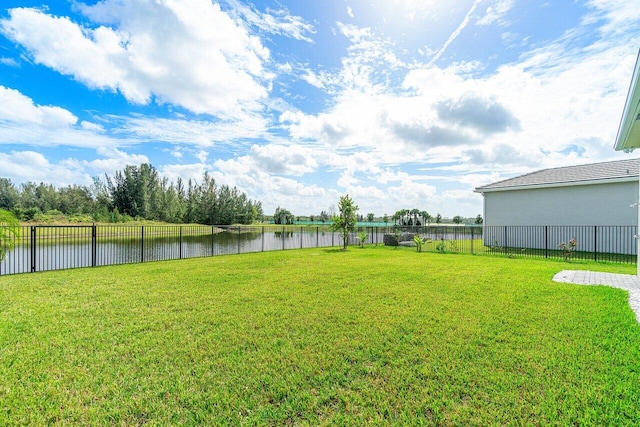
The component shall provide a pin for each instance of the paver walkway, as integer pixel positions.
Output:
(627, 282)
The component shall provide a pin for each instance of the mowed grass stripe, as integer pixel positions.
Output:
(374, 335)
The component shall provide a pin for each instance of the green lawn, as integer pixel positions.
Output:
(319, 336)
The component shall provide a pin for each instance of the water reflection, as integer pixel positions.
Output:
(123, 245)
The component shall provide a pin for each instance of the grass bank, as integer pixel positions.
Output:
(320, 336)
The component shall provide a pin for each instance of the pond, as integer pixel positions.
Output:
(43, 248)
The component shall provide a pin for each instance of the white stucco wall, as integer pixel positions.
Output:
(595, 204)
(543, 217)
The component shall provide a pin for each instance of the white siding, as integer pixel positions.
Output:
(597, 204)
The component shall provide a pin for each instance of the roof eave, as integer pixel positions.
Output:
(633, 178)
(628, 136)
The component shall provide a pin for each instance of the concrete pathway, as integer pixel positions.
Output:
(628, 282)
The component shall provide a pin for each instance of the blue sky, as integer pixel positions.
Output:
(400, 104)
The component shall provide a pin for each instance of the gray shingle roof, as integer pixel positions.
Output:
(570, 174)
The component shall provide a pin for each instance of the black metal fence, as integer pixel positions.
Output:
(44, 248)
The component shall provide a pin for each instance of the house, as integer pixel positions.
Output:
(593, 203)
(600, 201)
(593, 194)
(628, 137)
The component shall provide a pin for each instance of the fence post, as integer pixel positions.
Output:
(472, 240)
(505, 240)
(238, 239)
(595, 242)
(301, 235)
(212, 232)
(33, 248)
(142, 243)
(546, 241)
(263, 238)
(180, 244)
(93, 245)
(283, 237)
(317, 236)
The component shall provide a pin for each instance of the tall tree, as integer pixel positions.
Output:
(414, 216)
(9, 230)
(28, 196)
(346, 220)
(426, 218)
(75, 199)
(282, 216)
(9, 196)
(47, 198)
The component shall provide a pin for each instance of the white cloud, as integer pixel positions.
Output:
(408, 193)
(23, 166)
(496, 12)
(9, 62)
(186, 53)
(22, 121)
(274, 22)
(313, 79)
(91, 126)
(556, 105)
(369, 63)
(283, 160)
(250, 174)
(202, 133)
(616, 16)
(193, 171)
(18, 108)
(113, 160)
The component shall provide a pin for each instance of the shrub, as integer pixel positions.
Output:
(568, 249)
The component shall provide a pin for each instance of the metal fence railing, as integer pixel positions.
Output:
(44, 248)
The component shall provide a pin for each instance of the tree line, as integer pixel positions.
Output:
(136, 192)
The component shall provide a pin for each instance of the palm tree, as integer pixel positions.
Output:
(403, 214)
(425, 217)
(414, 212)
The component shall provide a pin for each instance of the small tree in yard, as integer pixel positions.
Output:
(9, 229)
(346, 220)
(362, 236)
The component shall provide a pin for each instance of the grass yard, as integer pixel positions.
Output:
(319, 336)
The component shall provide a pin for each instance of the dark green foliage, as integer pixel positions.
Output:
(9, 196)
(411, 217)
(282, 216)
(137, 192)
(9, 230)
